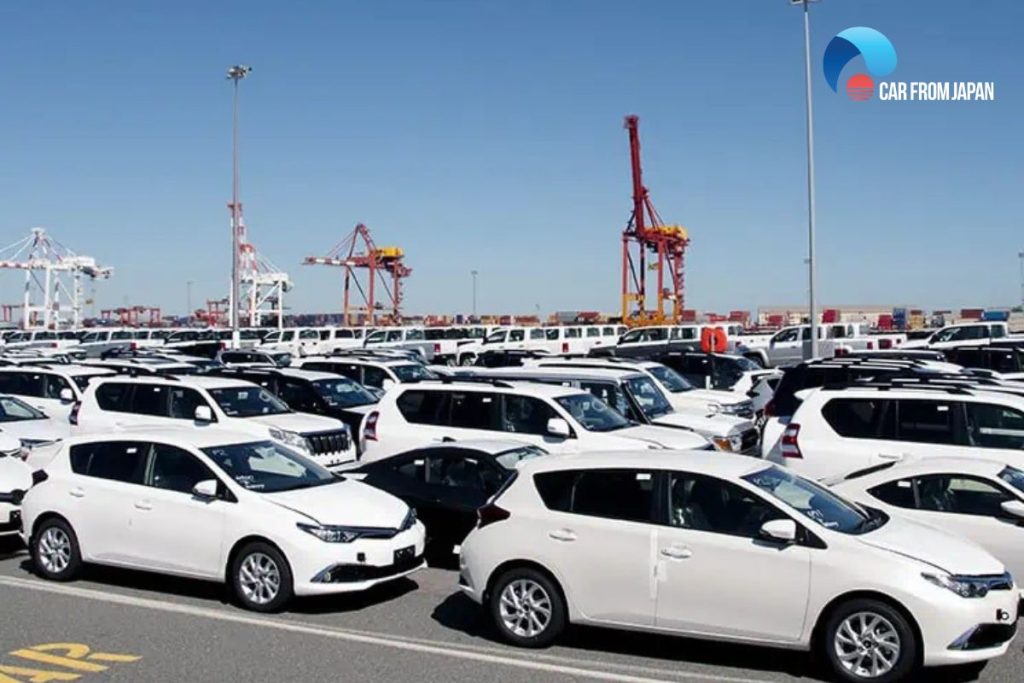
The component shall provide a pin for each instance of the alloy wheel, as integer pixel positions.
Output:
(259, 578)
(867, 645)
(54, 550)
(525, 608)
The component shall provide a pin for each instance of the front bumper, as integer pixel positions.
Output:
(959, 630)
(10, 520)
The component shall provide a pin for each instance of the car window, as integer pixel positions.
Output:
(959, 494)
(592, 413)
(150, 400)
(705, 503)
(423, 407)
(899, 493)
(926, 421)
(626, 495)
(631, 337)
(593, 332)
(14, 410)
(526, 415)
(650, 398)
(248, 401)
(858, 418)
(341, 392)
(994, 426)
(414, 335)
(412, 372)
(114, 396)
(53, 385)
(374, 376)
(516, 335)
(459, 471)
(394, 335)
(21, 384)
(267, 467)
(473, 410)
(297, 394)
(174, 469)
(413, 468)
(537, 333)
(183, 403)
(123, 461)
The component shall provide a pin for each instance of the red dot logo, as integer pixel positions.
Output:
(860, 87)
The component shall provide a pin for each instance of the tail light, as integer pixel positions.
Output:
(437, 348)
(790, 444)
(489, 514)
(842, 351)
(133, 347)
(885, 343)
(769, 408)
(370, 431)
(871, 345)
(73, 415)
(565, 347)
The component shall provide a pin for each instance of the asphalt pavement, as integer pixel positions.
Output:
(115, 625)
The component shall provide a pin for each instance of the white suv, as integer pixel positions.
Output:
(558, 419)
(216, 505)
(838, 431)
(53, 389)
(732, 549)
(127, 402)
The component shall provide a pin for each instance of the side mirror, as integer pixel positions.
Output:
(204, 414)
(558, 427)
(207, 488)
(780, 530)
(67, 396)
(1014, 508)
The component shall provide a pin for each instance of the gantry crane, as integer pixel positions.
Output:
(385, 265)
(53, 280)
(645, 234)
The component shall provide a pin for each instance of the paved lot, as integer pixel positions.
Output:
(419, 630)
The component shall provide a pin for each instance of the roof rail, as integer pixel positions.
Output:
(464, 379)
(888, 386)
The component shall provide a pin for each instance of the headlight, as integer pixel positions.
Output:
(330, 534)
(293, 439)
(735, 408)
(964, 586)
(714, 409)
(409, 521)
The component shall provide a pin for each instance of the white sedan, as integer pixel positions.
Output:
(215, 505)
(979, 499)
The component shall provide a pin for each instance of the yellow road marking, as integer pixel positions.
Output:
(34, 675)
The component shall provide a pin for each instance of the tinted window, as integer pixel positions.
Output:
(614, 494)
(174, 469)
(527, 415)
(53, 385)
(183, 403)
(516, 335)
(927, 421)
(857, 418)
(150, 400)
(960, 495)
(20, 383)
(123, 461)
(555, 489)
(458, 471)
(474, 410)
(593, 332)
(708, 504)
(994, 426)
(113, 396)
(374, 376)
(413, 468)
(298, 395)
(422, 407)
(899, 493)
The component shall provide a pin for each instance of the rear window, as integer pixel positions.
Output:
(113, 396)
(858, 418)
(422, 407)
(122, 461)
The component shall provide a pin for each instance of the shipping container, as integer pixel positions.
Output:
(971, 313)
(996, 316)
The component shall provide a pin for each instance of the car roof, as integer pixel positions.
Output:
(198, 381)
(609, 373)
(712, 463)
(359, 360)
(68, 369)
(299, 373)
(490, 446)
(503, 385)
(987, 467)
(927, 391)
(197, 438)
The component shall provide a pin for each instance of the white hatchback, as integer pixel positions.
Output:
(728, 548)
(215, 505)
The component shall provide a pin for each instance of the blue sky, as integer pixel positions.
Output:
(488, 135)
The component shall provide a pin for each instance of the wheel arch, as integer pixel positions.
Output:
(46, 516)
(236, 548)
(527, 564)
(834, 603)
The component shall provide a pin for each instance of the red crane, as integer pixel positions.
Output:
(384, 265)
(647, 233)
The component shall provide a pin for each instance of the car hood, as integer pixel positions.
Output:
(303, 423)
(664, 436)
(346, 503)
(719, 425)
(37, 430)
(952, 554)
(715, 396)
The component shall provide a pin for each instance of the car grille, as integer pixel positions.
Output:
(13, 525)
(354, 573)
(323, 443)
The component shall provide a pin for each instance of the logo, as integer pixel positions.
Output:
(879, 59)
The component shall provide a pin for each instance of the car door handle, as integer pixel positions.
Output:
(562, 535)
(677, 553)
(143, 505)
(77, 493)
(890, 456)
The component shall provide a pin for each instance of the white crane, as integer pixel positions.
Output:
(53, 280)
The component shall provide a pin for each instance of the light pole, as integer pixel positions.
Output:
(235, 74)
(812, 308)
(188, 300)
(474, 274)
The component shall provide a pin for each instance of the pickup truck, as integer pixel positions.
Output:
(965, 334)
(654, 340)
(793, 344)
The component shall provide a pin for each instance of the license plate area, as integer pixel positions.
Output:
(405, 554)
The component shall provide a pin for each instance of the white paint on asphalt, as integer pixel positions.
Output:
(569, 667)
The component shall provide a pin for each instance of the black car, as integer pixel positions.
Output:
(446, 483)
(307, 391)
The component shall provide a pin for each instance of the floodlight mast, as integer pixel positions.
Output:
(235, 74)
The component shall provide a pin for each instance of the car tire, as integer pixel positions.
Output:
(527, 608)
(56, 554)
(869, 640)
(261, 578)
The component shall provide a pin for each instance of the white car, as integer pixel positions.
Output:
(124, 403)
(30, 425)
(216, 505)
(53, 389)
(15, 479)
(982, 500)
(557, 419)
(302, 341)
(377, 372)
(835, 432)
(729, 548)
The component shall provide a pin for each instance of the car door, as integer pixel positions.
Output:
(715, 575)
(858, 433)
(171, 529)
(599, 537)
(109, 476)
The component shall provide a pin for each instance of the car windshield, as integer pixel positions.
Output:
(1013, 477)
(670, 379)
(412, 372)
(496, 336)
(342, 392)
(815, 502)
(248, 401)
(13, 410)
(593, 413)
(745, 364)
(649, 396)
(267, 467)
(510, 459)
(83, 380)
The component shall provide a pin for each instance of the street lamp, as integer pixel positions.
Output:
(188, 297)
(235, 74)
(474, 274)
(1020, 255)
(813, 311)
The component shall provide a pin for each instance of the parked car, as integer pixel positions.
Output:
(724, 372)
(557, 419)
(98, 341)
(29, 425)
(254, 358)
(446, 483)
(731, 549)
(836, 431)
(576, 340)
(122, 403)
(952, 336)
(379, 372)
(982, 500)
(15, 479)
(53, 389)
(216, 505)
(793, 344)
(654, 340)
(1006, 362)
(339, 338)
